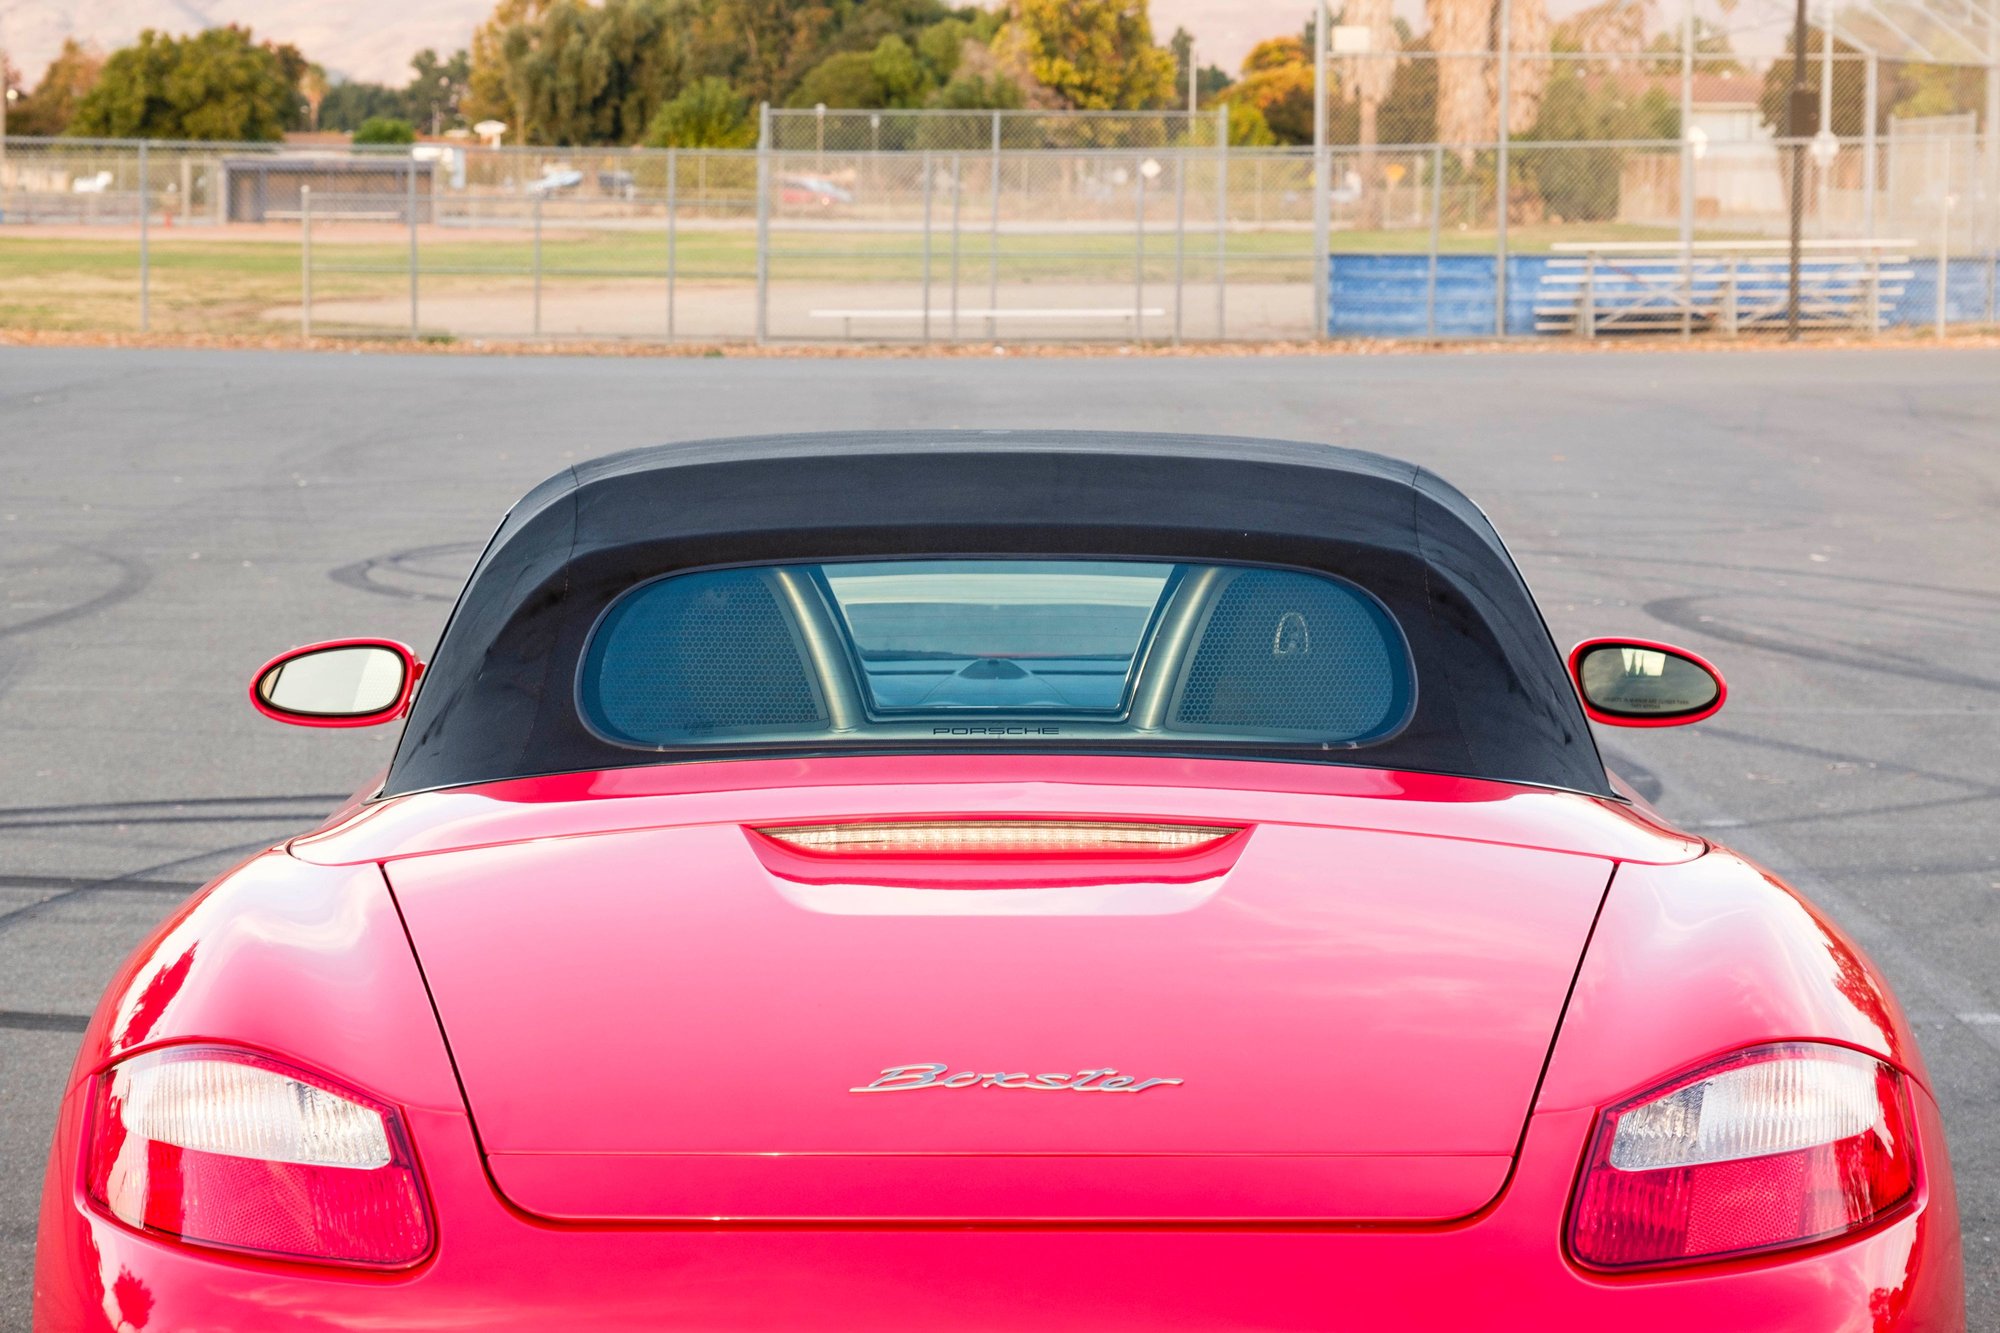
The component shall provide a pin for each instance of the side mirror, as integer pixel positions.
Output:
(1638, 683)
(342, 683)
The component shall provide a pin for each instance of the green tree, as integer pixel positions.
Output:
(1713, 53)
(706, 114)
(384, 129)
(903, 77)
(487, 96)
(348, 105)
(1934, 90)
(1277, 84)
(764, 47)
(577, 73)
(52, 105)
(980, 92)
(1580, 182)
(1248, 128)
(1908, 89)
(1096, 55)
(429, 101)
(843, 80)
(941, 46)
(436, 88)
(889, 76)
(217, 84)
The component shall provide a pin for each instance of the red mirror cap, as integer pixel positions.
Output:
(413, 670)
(1576, 655)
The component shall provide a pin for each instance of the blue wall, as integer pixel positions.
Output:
(1384, 296)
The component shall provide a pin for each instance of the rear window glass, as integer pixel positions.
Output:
(1029, 652)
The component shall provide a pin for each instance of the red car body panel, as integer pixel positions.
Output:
(1360, 1017)
(605, 1000)
(758, 792)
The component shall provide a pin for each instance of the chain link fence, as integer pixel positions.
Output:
(1637, 192)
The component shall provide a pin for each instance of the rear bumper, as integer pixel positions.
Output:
(495, 1269)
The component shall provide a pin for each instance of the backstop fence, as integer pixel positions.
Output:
(1626, 194)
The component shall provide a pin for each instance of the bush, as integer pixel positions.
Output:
(706, 114)
(385, 129)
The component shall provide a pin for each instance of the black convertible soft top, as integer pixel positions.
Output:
(1493, 698)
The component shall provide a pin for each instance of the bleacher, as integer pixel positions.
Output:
(1595, 289)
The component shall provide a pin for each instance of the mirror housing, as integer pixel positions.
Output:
(339, 683)
(1640, 683)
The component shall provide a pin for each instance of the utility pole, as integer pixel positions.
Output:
(1799, 109)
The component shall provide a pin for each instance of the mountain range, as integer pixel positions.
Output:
(356, 39)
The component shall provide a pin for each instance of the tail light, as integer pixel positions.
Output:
(973, 836)
(1771, 1147)
(226, 1148)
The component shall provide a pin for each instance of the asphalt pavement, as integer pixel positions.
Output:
(1822, 524)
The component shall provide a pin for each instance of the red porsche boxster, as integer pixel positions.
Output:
(997, 881)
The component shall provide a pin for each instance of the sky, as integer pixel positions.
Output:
(1225, 30)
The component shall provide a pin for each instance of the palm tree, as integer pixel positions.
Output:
(313, 87)
(1468, 96)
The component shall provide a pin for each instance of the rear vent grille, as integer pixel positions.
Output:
(999, 835)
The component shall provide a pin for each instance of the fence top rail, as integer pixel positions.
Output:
(1668, 248)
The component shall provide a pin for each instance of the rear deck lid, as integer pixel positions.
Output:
(1281, 1023)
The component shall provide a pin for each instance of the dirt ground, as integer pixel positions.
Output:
(888, 312)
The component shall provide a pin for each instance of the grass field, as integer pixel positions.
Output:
(201, 281)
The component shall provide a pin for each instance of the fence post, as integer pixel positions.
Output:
(1992, 173)
(1437, 223)
(1944, 242)
(1874, 290)
(1992, 189)
(1500, 186)
(1139, 259)
(993, 240)
(305, 261)
(1870, 109)
(763, 223)
(1687, 170)
(538, 267)
(1322, 173)
(1180, 238)
(1221, 220)
(673, 234)
(957, 208)
(410, 204)
(145, 249)
(928, 192)
(1589, 312)
(1729, 305)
